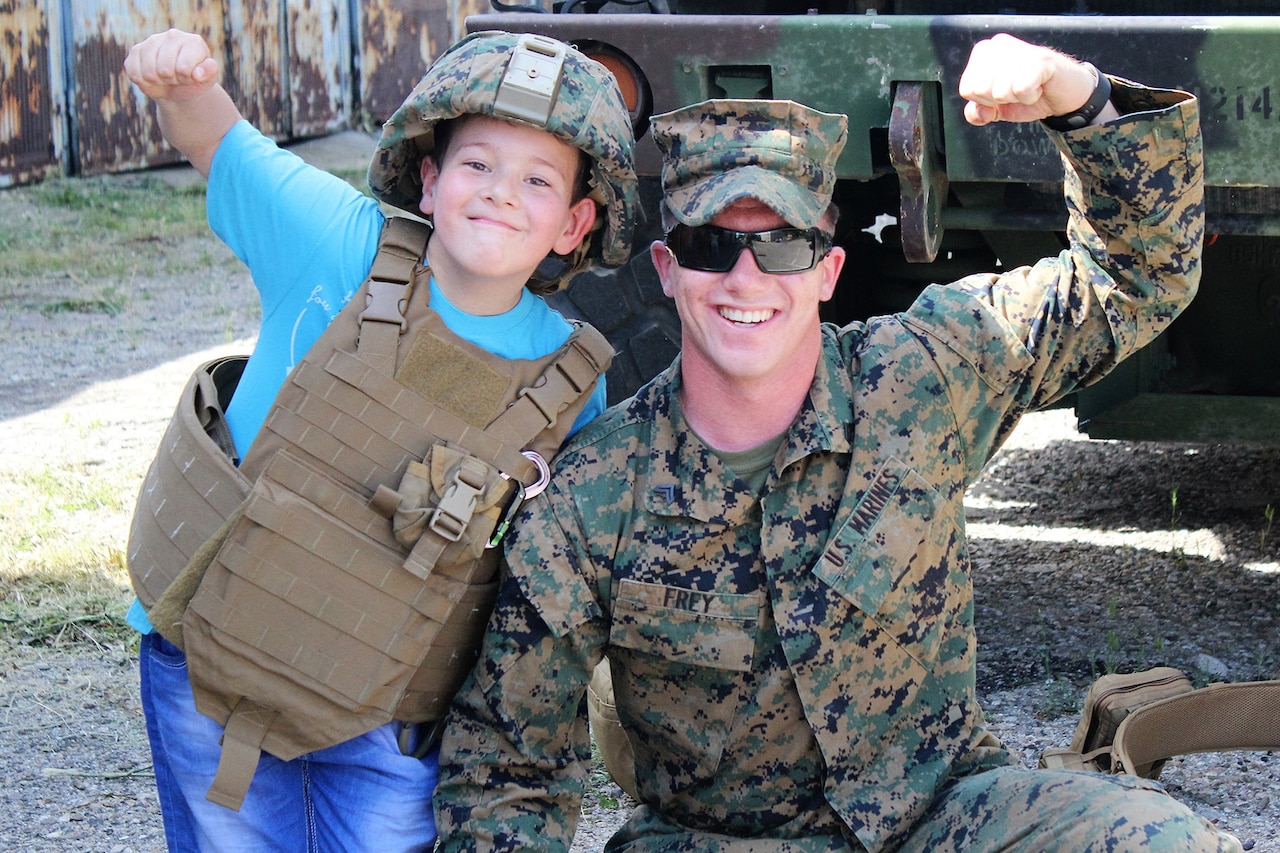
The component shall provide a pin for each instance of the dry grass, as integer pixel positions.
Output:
(62, 569)
(64, 500)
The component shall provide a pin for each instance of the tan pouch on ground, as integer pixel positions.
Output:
(1133, 722)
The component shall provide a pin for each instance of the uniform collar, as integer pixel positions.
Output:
(685, 478)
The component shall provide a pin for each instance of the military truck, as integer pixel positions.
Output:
(925, 197)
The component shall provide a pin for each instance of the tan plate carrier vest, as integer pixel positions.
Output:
(341, 577)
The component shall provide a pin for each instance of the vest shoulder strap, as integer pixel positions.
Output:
(584, 358)
(401, 247)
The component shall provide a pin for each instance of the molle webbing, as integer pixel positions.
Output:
(355, 584)
(389, 286)
(192, 485)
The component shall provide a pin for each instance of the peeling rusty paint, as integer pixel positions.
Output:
(398, 40)
(255, 60)
(113, 126)
(27, 140)
(319, 63)
(286, 63)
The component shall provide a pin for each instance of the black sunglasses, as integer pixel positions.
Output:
(782, 250)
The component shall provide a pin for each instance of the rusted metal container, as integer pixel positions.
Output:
(31, 115)
(66, 105)
(318, 47)
(113, 128)
(397, 40)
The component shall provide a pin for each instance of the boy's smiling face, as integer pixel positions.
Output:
(501, 201)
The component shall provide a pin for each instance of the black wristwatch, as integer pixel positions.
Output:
(1089, 111)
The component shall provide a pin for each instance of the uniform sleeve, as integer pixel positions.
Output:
(1022, 340)
(516, 751)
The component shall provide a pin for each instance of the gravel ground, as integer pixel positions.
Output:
(1089, 557)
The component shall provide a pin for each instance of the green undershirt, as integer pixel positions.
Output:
(751, 465)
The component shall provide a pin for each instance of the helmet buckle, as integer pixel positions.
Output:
(532, 80)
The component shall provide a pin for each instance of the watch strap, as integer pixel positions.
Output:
(1088, 111)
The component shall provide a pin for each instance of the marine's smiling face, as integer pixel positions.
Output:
(746, 325)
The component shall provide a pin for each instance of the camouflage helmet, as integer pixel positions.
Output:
(519, 78)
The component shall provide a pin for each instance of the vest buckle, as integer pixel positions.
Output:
(458, 503)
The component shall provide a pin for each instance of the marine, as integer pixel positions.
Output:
(806, 483)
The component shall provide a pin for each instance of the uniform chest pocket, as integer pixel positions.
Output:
(899, 559)
(685, 626)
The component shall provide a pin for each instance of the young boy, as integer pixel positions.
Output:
(507, 180)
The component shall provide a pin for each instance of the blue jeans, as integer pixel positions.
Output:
(356, 796)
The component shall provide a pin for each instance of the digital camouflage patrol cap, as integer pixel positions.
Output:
(719, 151)
(531, 80)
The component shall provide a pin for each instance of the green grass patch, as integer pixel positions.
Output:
(63, 577)
(1061, 698)
(92, 228)
(110, 303)
(86, 605)
(63, 521)
(66, 489)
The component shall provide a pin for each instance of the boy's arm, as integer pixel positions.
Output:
(176, 70)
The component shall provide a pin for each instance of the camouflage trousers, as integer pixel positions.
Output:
(1004, 809)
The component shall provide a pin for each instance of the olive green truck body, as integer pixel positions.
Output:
(925, 197)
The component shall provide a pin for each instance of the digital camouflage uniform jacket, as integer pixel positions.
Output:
(801, 664)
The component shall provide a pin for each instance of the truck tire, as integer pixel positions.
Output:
(628, 306)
